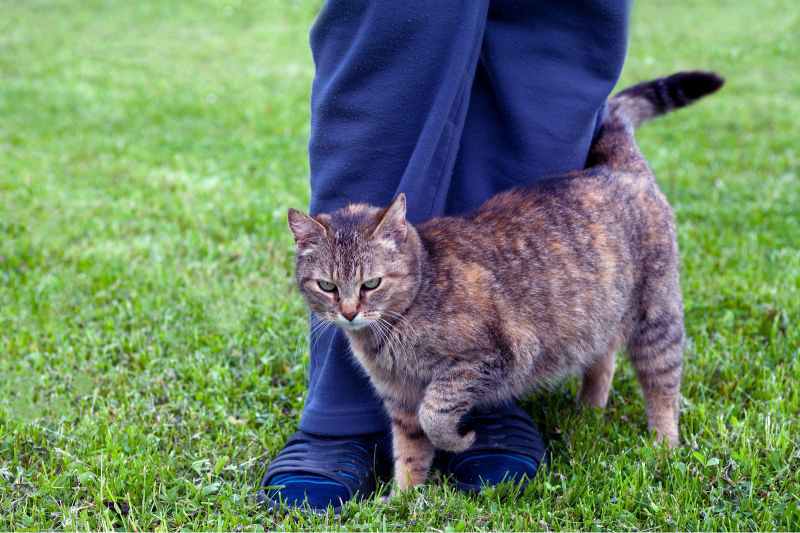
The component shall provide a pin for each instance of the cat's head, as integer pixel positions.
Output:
(358, 265)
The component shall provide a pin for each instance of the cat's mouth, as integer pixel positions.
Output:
(352, 325)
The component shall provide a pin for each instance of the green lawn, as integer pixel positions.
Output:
(153, 350)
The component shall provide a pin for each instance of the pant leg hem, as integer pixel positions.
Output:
(344, 422)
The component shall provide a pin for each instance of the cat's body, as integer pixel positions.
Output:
(538, 282)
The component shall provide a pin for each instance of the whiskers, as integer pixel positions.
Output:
(397, 316)
(399, 341)
(315, 330)
(391, 330)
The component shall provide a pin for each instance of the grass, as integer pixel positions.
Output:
(152, 349)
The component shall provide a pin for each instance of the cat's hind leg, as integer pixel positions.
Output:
(655, 350)
(596, 382)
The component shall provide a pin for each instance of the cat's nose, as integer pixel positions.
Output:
(349, 315)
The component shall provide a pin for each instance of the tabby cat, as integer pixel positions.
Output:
(469, 311)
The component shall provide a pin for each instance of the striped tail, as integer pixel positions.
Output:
(641, 102)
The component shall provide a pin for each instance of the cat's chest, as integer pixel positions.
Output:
(397, 353)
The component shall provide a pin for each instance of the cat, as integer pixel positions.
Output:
(539, 281)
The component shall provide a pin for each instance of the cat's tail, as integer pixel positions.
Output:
(649, 99)
(641, 102)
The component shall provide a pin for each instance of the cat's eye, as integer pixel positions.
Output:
(371, 284)
(327, 286)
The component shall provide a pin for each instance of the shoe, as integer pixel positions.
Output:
(507, 448)
(314, 473)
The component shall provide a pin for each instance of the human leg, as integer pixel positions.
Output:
(388, 103)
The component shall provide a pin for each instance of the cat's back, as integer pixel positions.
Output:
(579, 210)
(551, 266)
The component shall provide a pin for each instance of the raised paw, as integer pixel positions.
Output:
(455, 443)
(442, 430)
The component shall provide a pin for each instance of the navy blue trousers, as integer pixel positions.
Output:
(449, 102)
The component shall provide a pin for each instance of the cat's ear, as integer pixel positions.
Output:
(308, 233)
(393, 223)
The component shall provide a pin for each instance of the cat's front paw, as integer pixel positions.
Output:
(442, 431)
(456, 443)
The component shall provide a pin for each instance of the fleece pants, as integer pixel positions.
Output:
(449, 102)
